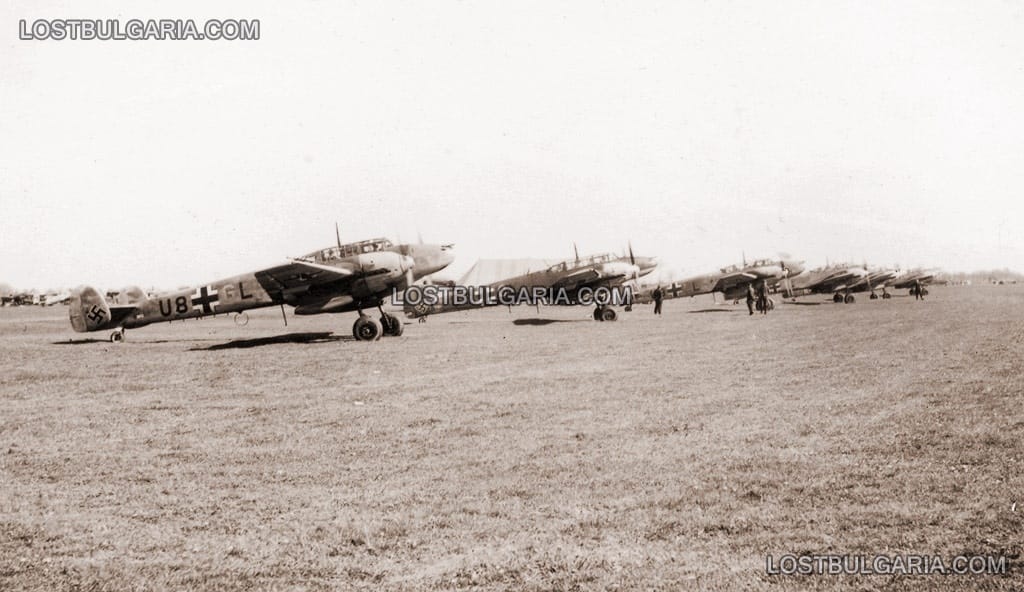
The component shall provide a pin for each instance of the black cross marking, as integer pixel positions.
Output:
(675, 290)
(204, 298)
(96, 314)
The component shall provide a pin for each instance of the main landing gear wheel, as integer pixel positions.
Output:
(603, 313)
(873, 296)
(392, 325)
(117, 336)
(837, 298)
(367, 328)
(886, 295)
(849, 299)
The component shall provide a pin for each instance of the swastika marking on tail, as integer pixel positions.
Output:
(96, 314)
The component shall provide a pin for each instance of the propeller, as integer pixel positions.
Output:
(786, 281)
(576, 251)
(337, 234)
(636, 268)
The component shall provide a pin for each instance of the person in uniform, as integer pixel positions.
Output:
(751, 297)
(918, 290)
(764, 297)
(658, 296)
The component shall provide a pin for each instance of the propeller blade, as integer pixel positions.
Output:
(576, 251)
(337, 234)
(632, 259)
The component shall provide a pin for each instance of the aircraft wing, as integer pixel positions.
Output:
(729, 282)
(119, 312)
(577, 279)
(298, 275)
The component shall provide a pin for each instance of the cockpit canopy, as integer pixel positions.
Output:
(583, 262)
(349, 250)
(749, 264)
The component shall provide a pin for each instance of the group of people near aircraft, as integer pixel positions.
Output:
(363, 275)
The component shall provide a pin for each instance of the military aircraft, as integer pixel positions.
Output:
(912, 278)
(572, 278)
(838, 279)
(732, 281)
(342, 278)
(876, 277)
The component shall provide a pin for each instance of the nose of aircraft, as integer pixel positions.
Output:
(795, 267)
(430, 258)
(646, 264)
(446, 255)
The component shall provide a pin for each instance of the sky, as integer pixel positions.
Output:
(701, 132)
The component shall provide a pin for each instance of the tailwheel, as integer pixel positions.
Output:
(117, 336)
(608, 314)
(367, 328)
(392, 325)
(849, 299)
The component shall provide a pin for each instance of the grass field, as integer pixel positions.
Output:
(478, 453)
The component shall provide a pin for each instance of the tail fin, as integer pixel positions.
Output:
(88, 310)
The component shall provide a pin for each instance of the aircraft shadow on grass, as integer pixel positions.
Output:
(703, 310)
(539, 322)
(80, 341)
(316, 337)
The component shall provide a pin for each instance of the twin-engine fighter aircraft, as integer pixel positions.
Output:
(342, 278)
(838, 279)
(733, 281)
(913, 278)
(572, 282)
(876, 277)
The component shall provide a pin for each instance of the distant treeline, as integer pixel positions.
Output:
(987, 276)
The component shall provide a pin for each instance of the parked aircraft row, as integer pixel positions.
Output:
(363, 275)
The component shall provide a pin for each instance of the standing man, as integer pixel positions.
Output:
(658, 296)
(764, 297)
(751, 297)
(918, 294)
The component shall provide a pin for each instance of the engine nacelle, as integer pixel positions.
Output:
(88, 310)
(131, 295)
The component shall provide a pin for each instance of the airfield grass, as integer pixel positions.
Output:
(477, 453)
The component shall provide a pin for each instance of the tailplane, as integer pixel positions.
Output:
(88, 310)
